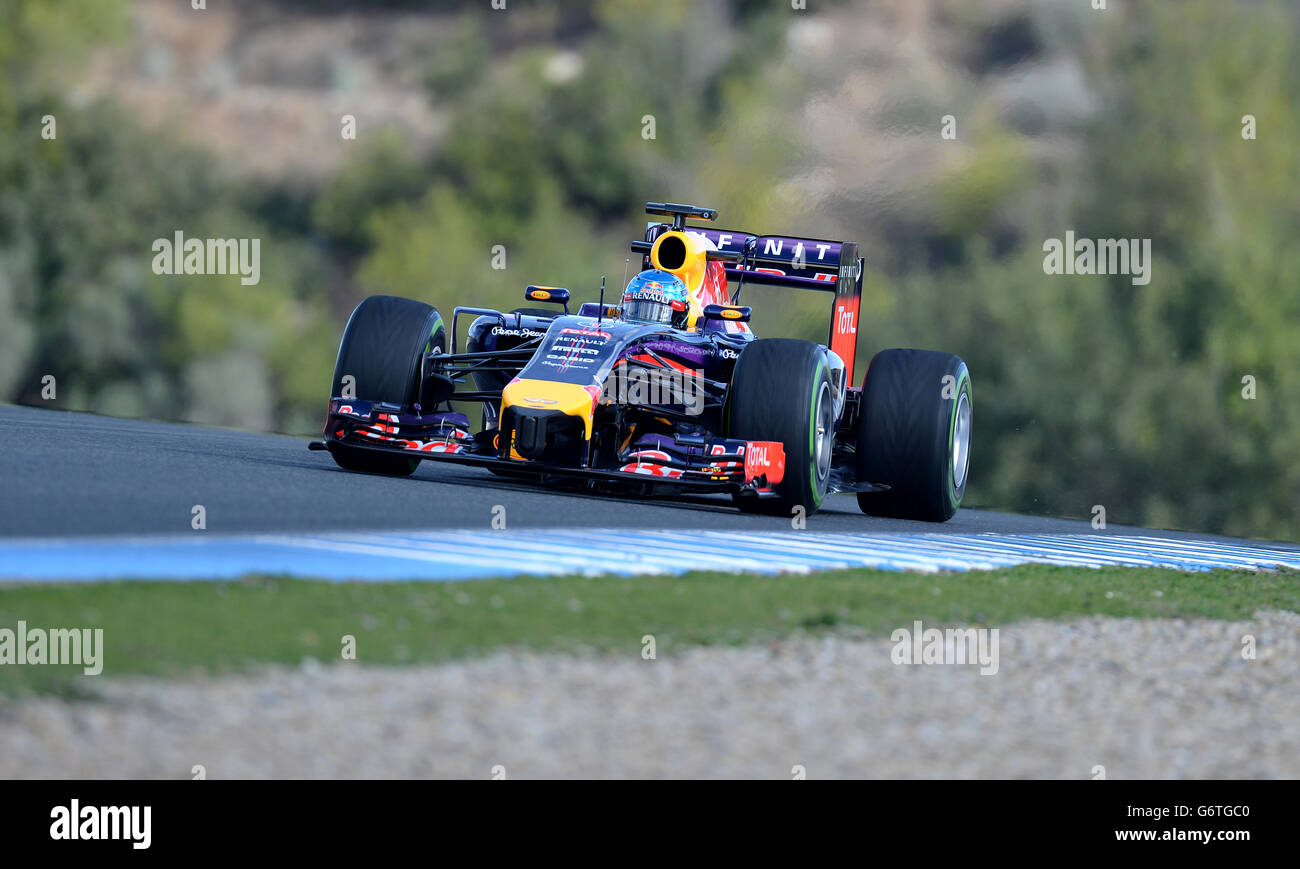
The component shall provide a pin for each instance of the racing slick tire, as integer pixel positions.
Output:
(382, 349)
(781, 391)
(914, 434)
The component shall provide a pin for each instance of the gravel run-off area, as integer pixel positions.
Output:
(1143, 699)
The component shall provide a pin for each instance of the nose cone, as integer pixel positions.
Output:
(546, 421)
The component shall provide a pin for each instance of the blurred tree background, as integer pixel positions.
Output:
(528, 128)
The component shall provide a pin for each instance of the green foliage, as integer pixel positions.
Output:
(79, 300)
(382, 175)
(41, 39)
(1090, 390)
(437, 252)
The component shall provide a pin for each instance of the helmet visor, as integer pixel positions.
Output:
(647, 311)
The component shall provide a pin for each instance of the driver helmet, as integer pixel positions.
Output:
(657, 296)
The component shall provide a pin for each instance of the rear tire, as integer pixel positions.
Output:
(914, 434)
(382, 349)
(781, 391)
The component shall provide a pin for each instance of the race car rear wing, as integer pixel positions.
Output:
(779, 261)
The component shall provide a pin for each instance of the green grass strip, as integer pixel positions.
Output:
(177, 629)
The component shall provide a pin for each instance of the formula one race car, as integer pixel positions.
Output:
(668, 391)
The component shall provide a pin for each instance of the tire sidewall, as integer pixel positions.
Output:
(956, 493)
(817, 488)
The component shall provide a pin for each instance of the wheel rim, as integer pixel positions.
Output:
(961, 441)
(824, 436)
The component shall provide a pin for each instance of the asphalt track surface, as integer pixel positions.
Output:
(75, 475)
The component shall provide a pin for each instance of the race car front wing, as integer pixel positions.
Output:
(690, 463)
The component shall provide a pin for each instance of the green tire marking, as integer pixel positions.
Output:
(952, 430)
(812, 433)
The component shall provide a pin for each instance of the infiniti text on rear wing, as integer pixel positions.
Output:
(796, 263)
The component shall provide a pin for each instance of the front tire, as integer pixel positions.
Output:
(381, 352)
(914, 434)
(781, 391)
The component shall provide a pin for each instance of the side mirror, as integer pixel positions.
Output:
(555, 295)
(732, 313)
